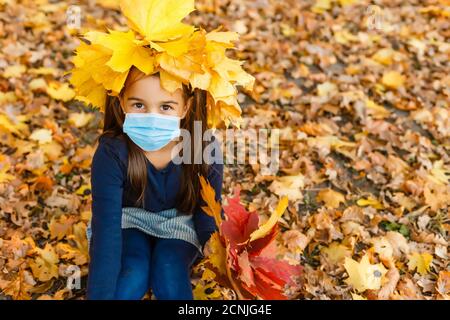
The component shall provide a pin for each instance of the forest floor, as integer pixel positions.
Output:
(360, 95)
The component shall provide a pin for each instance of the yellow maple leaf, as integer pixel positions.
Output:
(384, 56)
(169, 82)
(206, 291)
(200, 81)
(439, 173)
(38, 84)
(68, 252)
(363, 275)
(4, 176)
(336, 252)
(436, 196)
(60, 227)
(84, 190)
(327, 89)
(221, 89)
(217, 254)
(7, 97)
(60, 91)
(91, 77)
(223, 37)
(208, 275)
(420, 261)
(330, 142)
(289, 186)
(110, 4)
(347, 2)
(393, 79)
(370, 202)
(331, 198)
(126, 50)
(321, 6)
(213, 208)
(176, 48)
(356, 296)
(227, 69)
(287, 30)
(230, 112)
(79, 236)
(158, 20)
(80, 119)
(263, 230)
(182, 67)
(376, 111)
(19, 288)
(16, 125)
(96, 97)
(14, 71)
(45, 266)
(44, 71)
(344, 37)
(41, 135)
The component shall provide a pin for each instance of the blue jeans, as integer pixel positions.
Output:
(160, 264)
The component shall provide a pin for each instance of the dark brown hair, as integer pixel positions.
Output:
(189, 192)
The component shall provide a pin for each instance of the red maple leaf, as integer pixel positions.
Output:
(253, 266)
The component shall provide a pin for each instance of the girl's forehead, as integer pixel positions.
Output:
(149, 86)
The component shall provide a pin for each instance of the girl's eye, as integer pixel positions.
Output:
(166, 107)
(138, 105)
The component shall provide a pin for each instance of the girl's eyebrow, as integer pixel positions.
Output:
(169, 101)
(138, 99)
(135, 98)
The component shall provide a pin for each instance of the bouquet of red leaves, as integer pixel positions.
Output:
(242, 254)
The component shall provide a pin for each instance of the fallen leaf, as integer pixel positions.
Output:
(420, 262)
(363, 275)
(331, 198)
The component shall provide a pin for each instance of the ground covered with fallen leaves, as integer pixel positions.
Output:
(359, 92)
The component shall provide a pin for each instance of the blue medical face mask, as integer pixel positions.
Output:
(151, 131)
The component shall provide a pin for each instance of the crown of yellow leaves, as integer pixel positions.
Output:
(159, 42)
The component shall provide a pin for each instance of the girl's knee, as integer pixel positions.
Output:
(133, 280)
(132, 283)
(170, 269)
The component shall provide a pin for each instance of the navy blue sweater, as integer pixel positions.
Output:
(111, 192)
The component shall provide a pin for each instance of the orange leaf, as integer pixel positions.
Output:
(213, 207)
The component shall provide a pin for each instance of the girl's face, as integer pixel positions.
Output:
(145, 94)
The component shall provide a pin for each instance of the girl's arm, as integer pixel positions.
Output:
(107, 180)
(205, 224)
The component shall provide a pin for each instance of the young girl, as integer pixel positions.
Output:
(156, 247)
(159, 77)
